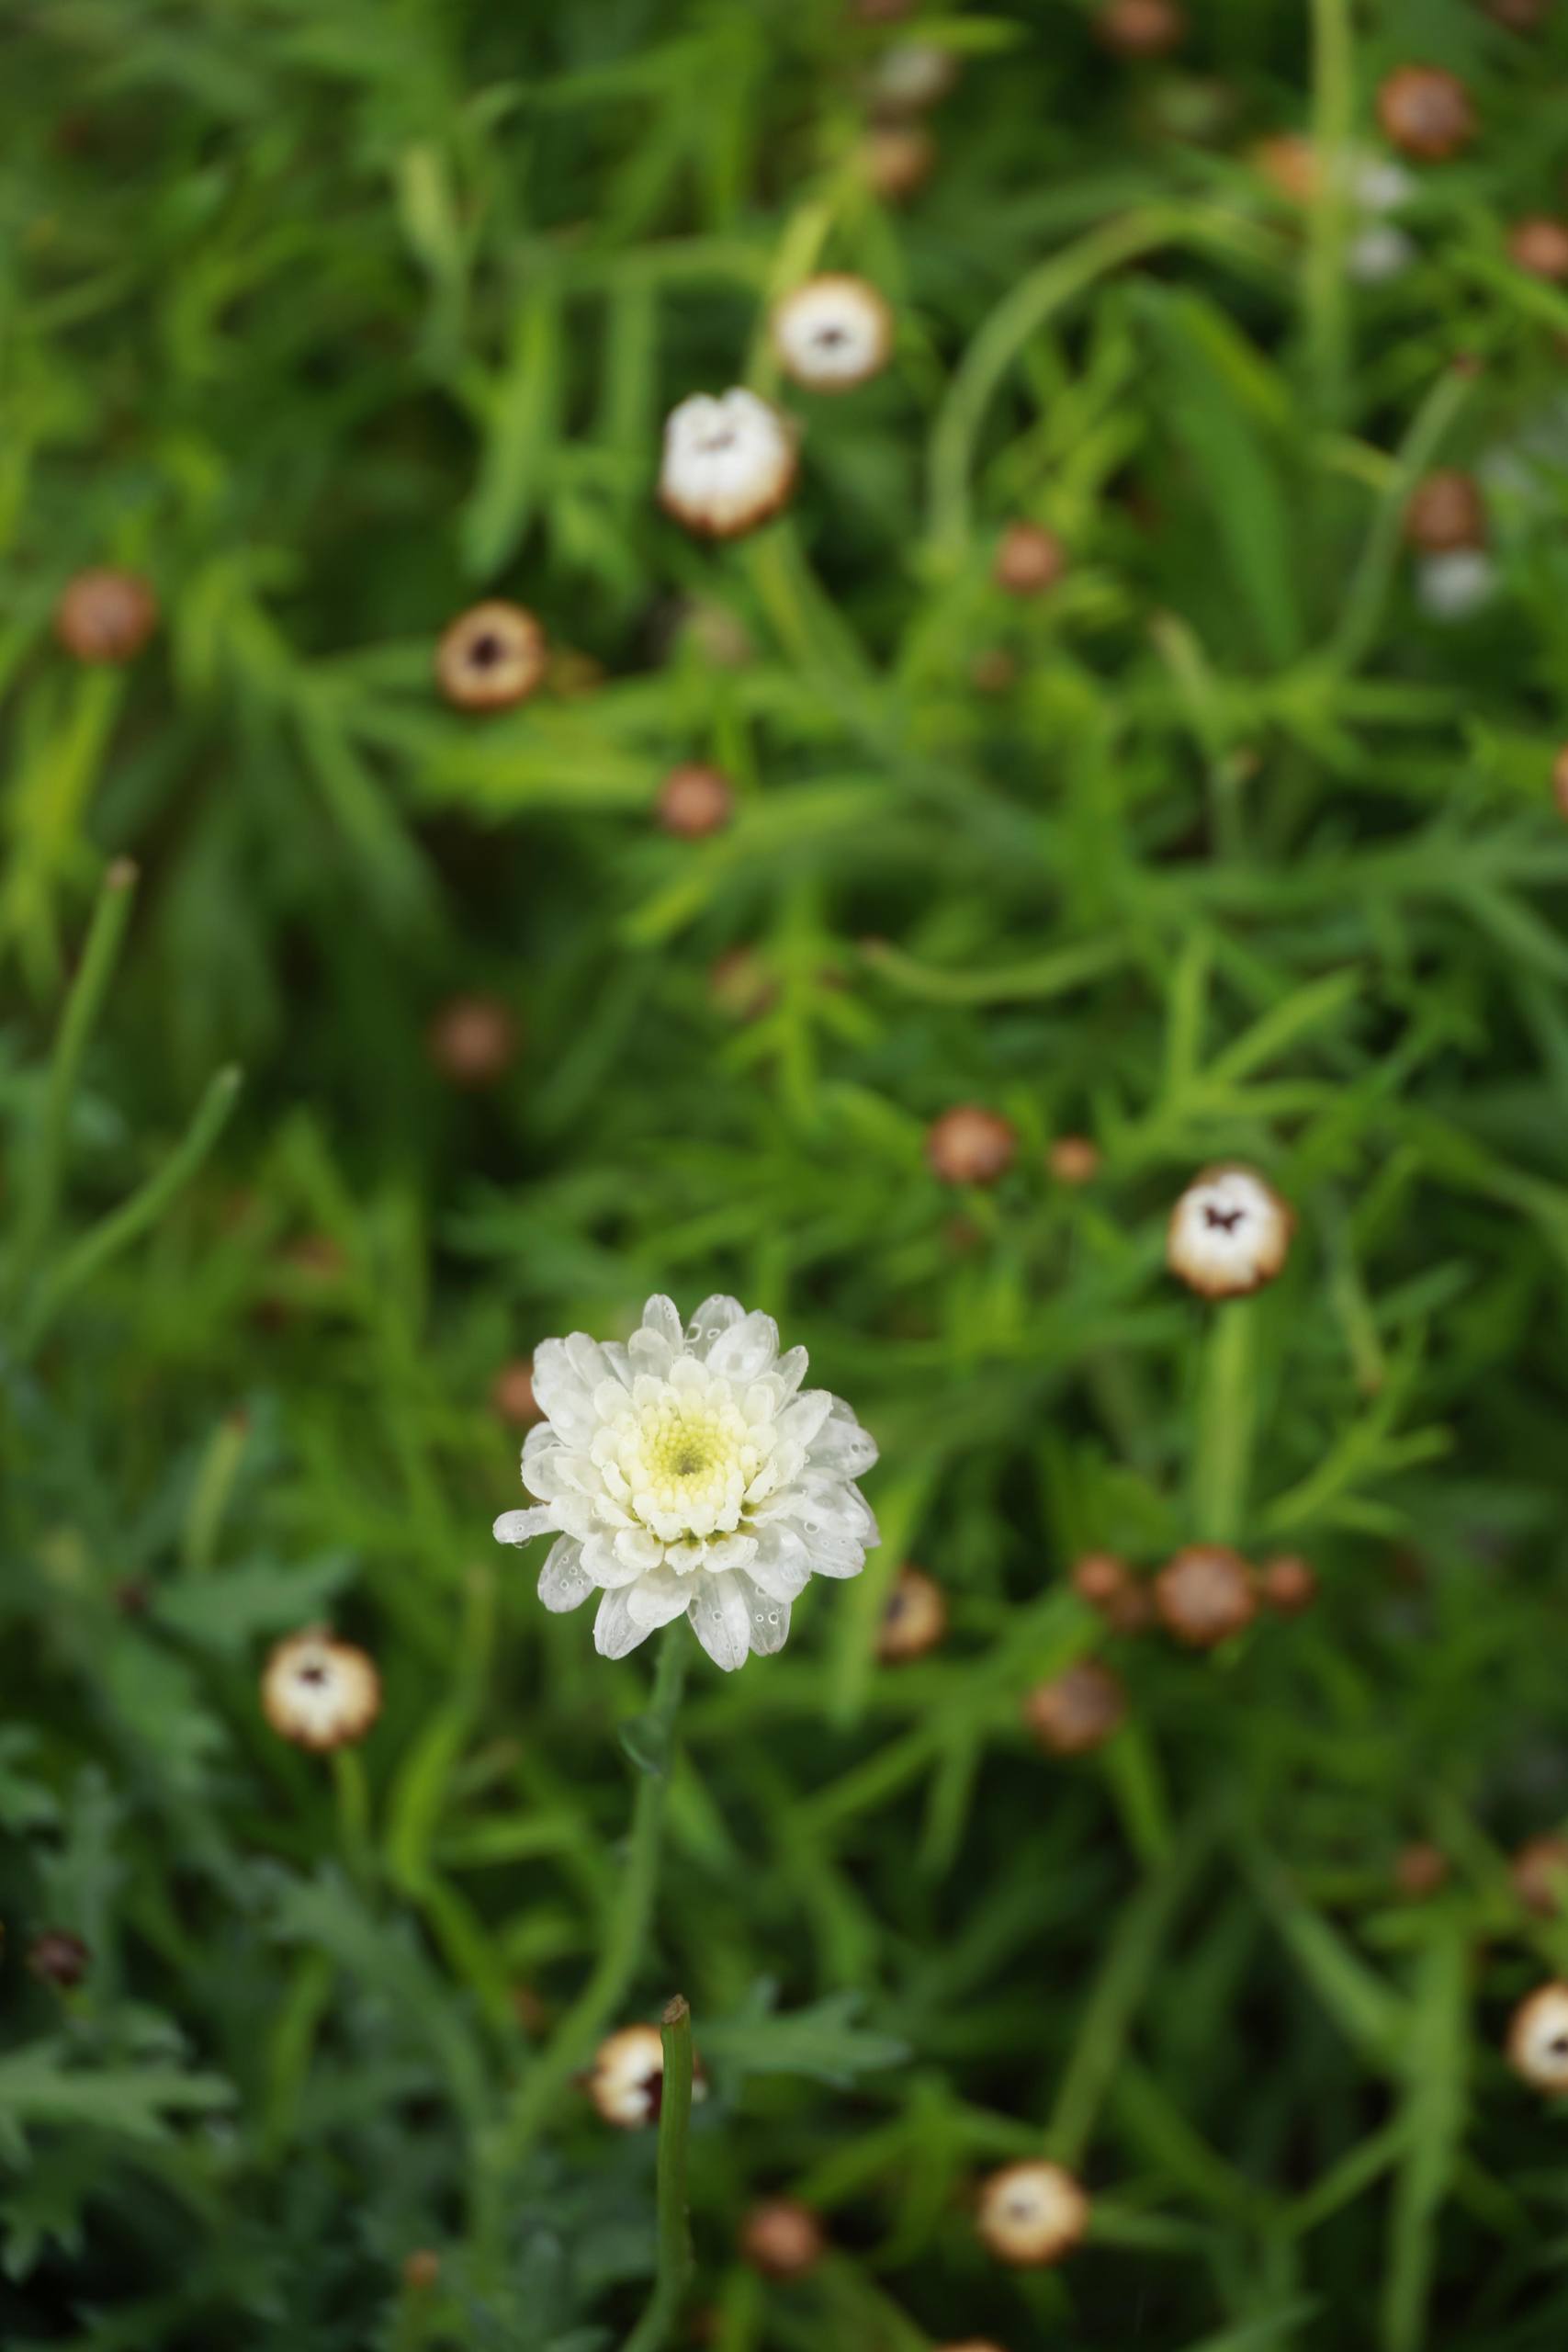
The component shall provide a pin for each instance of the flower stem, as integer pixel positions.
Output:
(626, 1941)
(653, 2331)
(1226, 1415)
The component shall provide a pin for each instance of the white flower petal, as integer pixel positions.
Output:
(731, 1551)
(522, 1526)
(639, 1549)
(649, 1353)
(721, 1620)
(802, 1419)
(746, 1349)
(769, 1620)
(714, 1315)
(790, 1370)
(780, 1566)
(601, 1565)
(615, 1629)
(562, 1584)
(660, 1315)
(656, 1599)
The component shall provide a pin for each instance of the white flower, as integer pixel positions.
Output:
(1450, 587)
(1229, 1233)
(729, 463)
(319, 1692)
(1378, 184)
(832, 333)
(686, 1474)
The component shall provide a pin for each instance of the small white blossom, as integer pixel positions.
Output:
(729, 463)
(832, 333)
(1537, 2039)
(1380, 184)
(1451, 587)
(319, 1692)
(1229, 1233)
(686, 1474)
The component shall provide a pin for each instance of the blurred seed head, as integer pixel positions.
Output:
(695, 801)
(1446, 511)
(512, 1393)
(914, 1617)
(58, 1958)
(1537, 2040)
(1289, 163)
(1140, 28)
(1031, 2214)
(1419, 1870)
(969, 1144)
(1560, 781)
(1077, 1710)
(1229, 1232)
(729, 463)
(1029, 560)
(1540, 247)
(782, 2238)
(421, 2269)
(832, 333)
(1205, 1594)
(319, 1692)
(1073, 1159)
(491, 657)
(106, 616)
(1426, 113)
(1518, 15)
(993, 671)
(473, 1041)
(720, 636)
(1288, 1584)
(739, 984)
(896, 159)
(1539, 1874)
(1109, 1586)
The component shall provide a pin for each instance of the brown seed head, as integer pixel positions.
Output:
(896, 159)
(1537, 2039)
(422, 2268)
(1078, 1711)
(1030, 2214)
(782, 2238)
(1139, 28)
(1560, 781)
(1288, 1584)
(1291, 165)
(694, 800)
(106, 616)
(1420, 1870)
(512, 1393)
(1029, 560)
(1540, 247)
(914, 1617)
(58, 1958)
(969, 1144)
(491, 657)
(1205, 1594)
(1073, 1159)
(1100, 1579)
(1539, 1874)
(1518, 15)
(1445, 512)
(473, 1041)
(1427, 112)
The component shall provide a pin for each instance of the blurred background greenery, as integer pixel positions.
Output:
(328, 317)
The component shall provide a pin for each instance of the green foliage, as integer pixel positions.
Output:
(332, 316)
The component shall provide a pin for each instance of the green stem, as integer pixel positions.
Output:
(653, 2331)
(1226, 1418)
(625, 1944)
(214, 1485)
(41, 1181)
(125, 1225)
(1369, 583)
(353, 1797)
(1322, 279)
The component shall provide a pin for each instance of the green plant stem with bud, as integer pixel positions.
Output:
(653, 2330)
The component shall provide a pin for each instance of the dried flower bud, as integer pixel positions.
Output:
(106, 616)
(1030, 2214)
(421, 2269)
(1446, 511)
(914, 1617)
(1427, 112)
(1288, 1584)
(1205, 1594)
(319, 1692)
(1100, 1579)
(1029, 560)
(728, 464)
(832, 333)
(1291, 165)
(912, 76)
(1420, 1870)
(782, 2238)
(1078, 1711)
(993, 671)
(1229, 1233)
(58, 1958)
(1539, 1874)
(969, 1144)
(1540, 247)
(473, 1041)
(1560, 781)
(491, 657)
(512, 1393)
(1518, 15)
(1140, 29)
(896, 159)
(1537, 2039)
(627, 2080)
(1073, 1159)
(694, 800)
